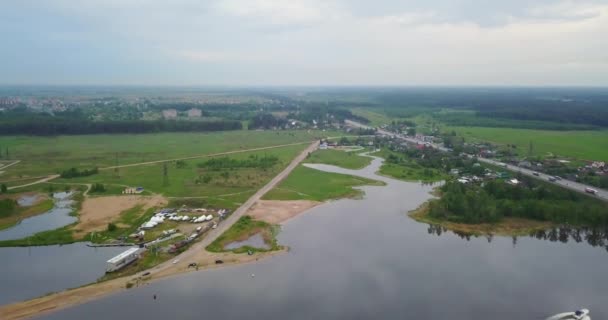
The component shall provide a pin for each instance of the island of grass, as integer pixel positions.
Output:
(510, 208)
(243, 229)
(401, 166)
(344, 159)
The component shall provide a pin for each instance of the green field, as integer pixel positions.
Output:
(310, 184)
(188, 180)
(48, 155)
(375, 118)
(349, 160)
(582, 145)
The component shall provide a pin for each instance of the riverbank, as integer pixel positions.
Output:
(506, 227)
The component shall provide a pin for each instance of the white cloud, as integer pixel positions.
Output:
(324, 42)
(279, 12)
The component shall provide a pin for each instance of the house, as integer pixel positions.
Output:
(170, 114)
(195, 113)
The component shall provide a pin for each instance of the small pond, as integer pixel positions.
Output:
(255, 241)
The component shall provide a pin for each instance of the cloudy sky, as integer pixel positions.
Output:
(304, 42)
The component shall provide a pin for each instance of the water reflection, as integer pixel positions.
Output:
(595, 237)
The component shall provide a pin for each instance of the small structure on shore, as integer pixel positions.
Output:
(123, 259)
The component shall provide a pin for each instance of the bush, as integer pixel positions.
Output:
(112, 227)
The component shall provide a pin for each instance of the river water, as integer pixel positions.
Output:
(57, 217)
(366, 259)
(30, 272)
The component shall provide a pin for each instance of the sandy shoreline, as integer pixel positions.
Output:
(266, 210)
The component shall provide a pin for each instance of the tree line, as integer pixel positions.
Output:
(75, 173)
(47, 126)
(252, 161)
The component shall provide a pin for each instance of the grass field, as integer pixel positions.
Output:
(582, 145)
(376, 119)
(188, 181)
(310, 184)
(348, 160)
(47, 155)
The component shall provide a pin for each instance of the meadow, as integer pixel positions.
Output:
(309, 184)
(582, 145)
(348, 160)
(49, 155)
(189, 180)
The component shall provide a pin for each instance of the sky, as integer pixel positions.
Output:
(304, 42)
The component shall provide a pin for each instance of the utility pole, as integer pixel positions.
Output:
(116, 169)
(165, 175)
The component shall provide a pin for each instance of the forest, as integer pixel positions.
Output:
(494, 200)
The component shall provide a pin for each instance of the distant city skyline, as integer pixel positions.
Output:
(304, 43)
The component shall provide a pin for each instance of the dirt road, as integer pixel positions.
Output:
(49, 178)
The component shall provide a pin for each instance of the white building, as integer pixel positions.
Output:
(123, 259)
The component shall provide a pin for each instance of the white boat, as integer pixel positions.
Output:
(581, 314)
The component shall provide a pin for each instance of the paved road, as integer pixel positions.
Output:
(238, 213)
(574, 186)
(571, 185)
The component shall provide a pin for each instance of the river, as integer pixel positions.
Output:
(366, 259)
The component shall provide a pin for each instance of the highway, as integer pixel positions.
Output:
(571, 185)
